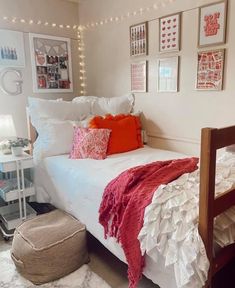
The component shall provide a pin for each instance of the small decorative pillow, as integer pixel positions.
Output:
(89, 143)
(126, 132)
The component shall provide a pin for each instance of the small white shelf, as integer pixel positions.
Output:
(9, 191)
(10, 215)
(8, 162)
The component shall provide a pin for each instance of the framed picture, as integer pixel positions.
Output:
(212, 24)
(12, 49)
(169, 33)
(139, 76)
(210, 66)
(51, 64)
(168, 74)
(139, 39)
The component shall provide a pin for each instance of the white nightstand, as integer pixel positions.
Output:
(14, 188)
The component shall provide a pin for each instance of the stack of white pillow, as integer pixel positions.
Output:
(54, 120)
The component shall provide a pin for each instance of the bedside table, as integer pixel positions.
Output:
(14, 188)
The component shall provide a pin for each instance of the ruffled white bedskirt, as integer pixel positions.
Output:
(171, 224)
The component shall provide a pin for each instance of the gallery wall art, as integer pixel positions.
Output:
(169, 33)
(210, 70)
(51, 64)
(139, 39)
(12, 49)
(212, 24)
(139, 76)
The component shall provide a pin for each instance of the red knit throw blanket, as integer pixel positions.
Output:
(124, 201)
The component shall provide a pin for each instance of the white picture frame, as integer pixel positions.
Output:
(12, 48)
(169, 33)
(139, 76)
(51, 64)
(168, 68)
(210, 70)
(212, 24)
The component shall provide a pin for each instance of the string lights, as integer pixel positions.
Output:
(82, 64)
(15, 20)
(141, 11)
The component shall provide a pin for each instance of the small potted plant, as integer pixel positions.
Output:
(17, 145)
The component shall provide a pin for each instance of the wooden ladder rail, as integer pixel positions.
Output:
(209, 206)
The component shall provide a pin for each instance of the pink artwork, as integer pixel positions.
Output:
(210, 70)
(169, 33)
(212, 24)
(139, 39)
(138, 76)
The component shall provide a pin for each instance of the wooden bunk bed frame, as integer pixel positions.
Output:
(212, 139)
(209, 205)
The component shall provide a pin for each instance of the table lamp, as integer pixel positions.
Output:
(7, 132)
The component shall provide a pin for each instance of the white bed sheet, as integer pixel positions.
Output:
(77, 186)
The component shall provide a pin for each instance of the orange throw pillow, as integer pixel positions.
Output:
(125, 132)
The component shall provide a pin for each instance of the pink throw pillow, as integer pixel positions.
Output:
(89, 143)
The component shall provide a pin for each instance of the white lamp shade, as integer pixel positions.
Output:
(7, 127)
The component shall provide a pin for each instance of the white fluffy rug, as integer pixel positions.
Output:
(81, 278)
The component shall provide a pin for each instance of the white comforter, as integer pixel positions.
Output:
(76, 186)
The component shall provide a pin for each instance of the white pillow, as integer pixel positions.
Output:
(55, 137)
(114, 105)
(61, 110)
(104, 105)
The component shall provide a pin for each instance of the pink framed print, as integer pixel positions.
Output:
(212, 24)
(210, 66)
(169, 33)
(139, 76)
(139, 39)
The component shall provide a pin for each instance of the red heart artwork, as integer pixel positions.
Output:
(164, 22)
(169, 27)
(168, 46)
(163, 47)
(163, 35)
(174, 45)
(174, 26)
(164, 28)
(163, 41)
(169, 34)
(173, 39)
(174, 19)
(168, 40)
(174, 33)
(169, 21)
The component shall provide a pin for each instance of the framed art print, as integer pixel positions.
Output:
(212, 24)
(139, 39)
(139, 76)
(12, 49)
(169, 33)
(168, 74)
(51, 64)
(210, 66)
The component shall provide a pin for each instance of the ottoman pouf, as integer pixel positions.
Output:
(49, 247)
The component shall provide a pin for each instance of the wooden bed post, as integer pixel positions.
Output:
(207, 192)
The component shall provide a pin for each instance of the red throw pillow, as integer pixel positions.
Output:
(125, 132)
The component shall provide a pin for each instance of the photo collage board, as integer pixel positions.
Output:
(52, 63)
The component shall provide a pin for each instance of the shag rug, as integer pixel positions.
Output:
(81, 278)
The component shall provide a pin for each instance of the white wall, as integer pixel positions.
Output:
(53, 11)
(173, 120)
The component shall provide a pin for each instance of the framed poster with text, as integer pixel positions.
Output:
(212, 24)
(139, 76)
(210, 66)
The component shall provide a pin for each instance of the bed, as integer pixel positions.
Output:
(76, 186)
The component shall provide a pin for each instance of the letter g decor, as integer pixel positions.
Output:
(15, 78)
